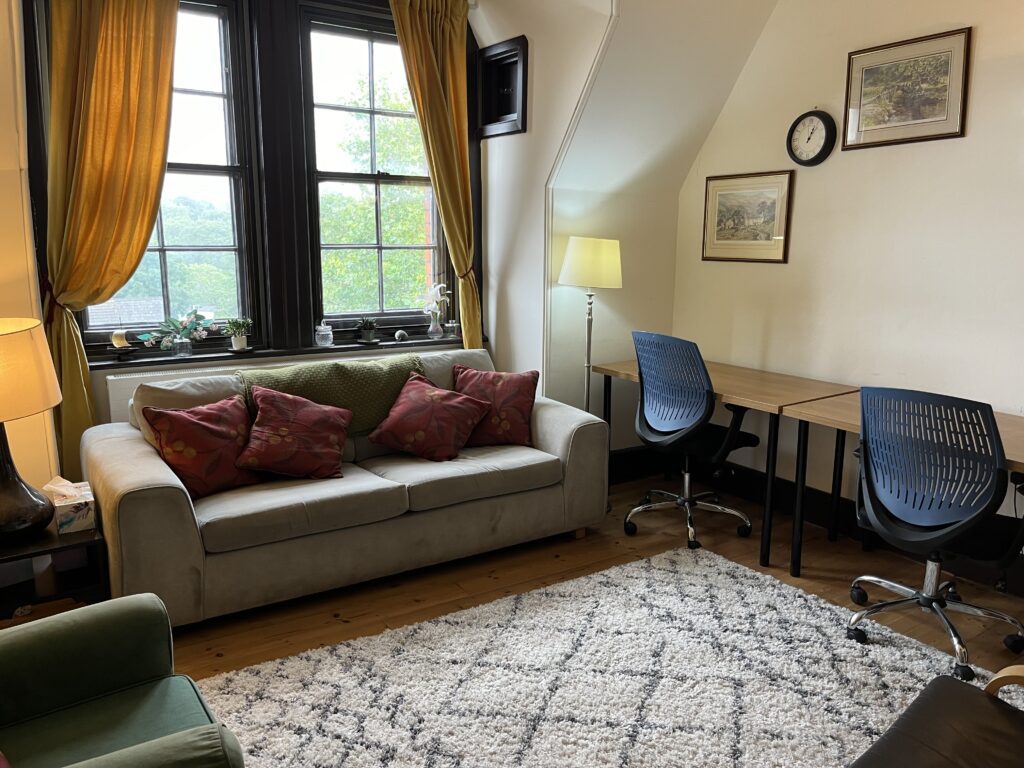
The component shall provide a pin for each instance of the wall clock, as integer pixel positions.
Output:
(811, 138)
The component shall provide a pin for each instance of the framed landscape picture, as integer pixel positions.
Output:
(914, 90)
(746, 217)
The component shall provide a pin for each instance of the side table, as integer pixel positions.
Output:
(89, 584)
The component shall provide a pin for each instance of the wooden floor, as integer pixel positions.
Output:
(268, 633)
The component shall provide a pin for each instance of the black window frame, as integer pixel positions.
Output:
(279, 273)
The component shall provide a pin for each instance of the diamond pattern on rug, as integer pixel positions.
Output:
(684, 658)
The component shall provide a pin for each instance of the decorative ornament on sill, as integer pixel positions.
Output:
(323, 335)
(437, 298)
(178, 335)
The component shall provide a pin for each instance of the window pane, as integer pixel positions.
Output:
(399, 146)
(198, 130)
(390, 87)
(406, 214)
(197, 53)
(206, 280)
(349, 280)
(342, 141)
(341, 69)
(196, 209)
(348, 214)
(408, 276)
(139, 302)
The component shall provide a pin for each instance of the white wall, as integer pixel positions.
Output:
(563, 38)
(669, 68)
(32, 438)
(905, 262)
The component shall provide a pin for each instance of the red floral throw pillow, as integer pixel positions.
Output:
(201, 444)
(428, 421)
(295, 436)
(510, 396)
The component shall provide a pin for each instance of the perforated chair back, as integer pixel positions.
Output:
(676, 396)
(930, 461)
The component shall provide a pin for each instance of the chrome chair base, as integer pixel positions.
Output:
(688, 502)
(937, 598)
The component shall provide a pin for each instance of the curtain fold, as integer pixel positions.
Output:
(111, 72)
(432, 36)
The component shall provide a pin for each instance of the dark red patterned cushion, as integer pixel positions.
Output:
(429, 421)
(294, 436)
(201, 444)
(510, 397)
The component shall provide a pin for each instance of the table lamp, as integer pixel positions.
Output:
(28, 385)
(591, 263)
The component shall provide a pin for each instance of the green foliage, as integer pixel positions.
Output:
(192, 326)
(367, 324)
(238, 326)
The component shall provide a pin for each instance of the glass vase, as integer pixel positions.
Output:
(435, 331)
(182, 347)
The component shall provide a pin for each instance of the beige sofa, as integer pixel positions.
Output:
(389, 513)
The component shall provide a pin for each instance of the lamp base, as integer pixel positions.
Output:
(23, 509)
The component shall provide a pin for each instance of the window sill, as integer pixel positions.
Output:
(111, 363)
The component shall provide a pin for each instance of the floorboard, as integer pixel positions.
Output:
(263, 634)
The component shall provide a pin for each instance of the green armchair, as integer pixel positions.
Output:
(95, 688)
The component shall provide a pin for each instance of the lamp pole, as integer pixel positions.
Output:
(587, 365)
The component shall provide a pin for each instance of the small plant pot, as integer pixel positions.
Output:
(182, 347)
(370, 335)
(239, 343)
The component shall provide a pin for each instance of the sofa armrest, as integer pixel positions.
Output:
(208, 746)
(580, 440)
(65, 659)
(153, 540)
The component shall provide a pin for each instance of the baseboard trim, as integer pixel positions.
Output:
(630, 464)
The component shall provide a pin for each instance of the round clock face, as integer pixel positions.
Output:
(811, 138)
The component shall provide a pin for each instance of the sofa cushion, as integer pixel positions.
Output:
(477, 473)
(106, 724)
(437, 366)
(428, 421)
(285, 509)
(201, 444)
(294, 436)
(180, 393)
(510, 397)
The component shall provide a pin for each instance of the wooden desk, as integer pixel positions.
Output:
(842, 413)
(750, 388)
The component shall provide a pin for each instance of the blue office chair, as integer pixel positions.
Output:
(932, 476)
(676, 404)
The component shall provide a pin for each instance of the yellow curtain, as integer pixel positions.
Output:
(432, 35)
(111, 71)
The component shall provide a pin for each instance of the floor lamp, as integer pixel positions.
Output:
(591, 263)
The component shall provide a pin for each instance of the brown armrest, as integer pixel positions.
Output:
(1013, 675)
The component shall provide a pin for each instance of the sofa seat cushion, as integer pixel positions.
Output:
(104, 725)
(286, 509)
(477, 473)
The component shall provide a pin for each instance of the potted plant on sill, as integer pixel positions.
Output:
(177, 335)
(238, 329)
(367, 327)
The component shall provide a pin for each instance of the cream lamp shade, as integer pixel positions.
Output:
(28, 383)
(591, 262)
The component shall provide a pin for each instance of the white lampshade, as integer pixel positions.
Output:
(591, 262)
(28, 383)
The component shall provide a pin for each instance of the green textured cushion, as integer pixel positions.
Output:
(107, 724)
(368, 388)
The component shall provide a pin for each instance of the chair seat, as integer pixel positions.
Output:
(285, 509)
(476, 473)
(951, 724)
(707, 441)
(104, 725)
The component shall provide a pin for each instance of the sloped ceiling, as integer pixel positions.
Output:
(668, 71)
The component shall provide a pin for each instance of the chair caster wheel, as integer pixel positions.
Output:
(629, 527)
(963, 672)
(1014, 643)
(858, 595)
(743, 531)
(693, 544)
(954, 596)
(858, 634)
(644, 500)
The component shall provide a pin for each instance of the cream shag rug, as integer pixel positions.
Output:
(683, 659)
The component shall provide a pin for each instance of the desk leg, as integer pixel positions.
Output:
(803, 429)
(837, 485)
(608, 401)
(769, 487)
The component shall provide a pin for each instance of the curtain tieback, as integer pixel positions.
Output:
(466, 274)
(49, 298)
